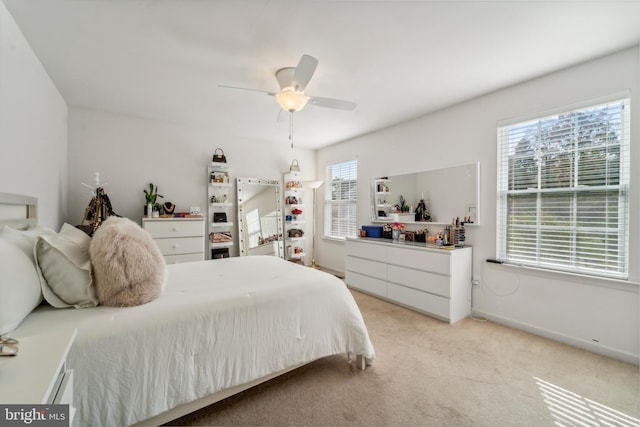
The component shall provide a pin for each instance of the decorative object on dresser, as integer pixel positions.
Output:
(179, 239)
(433, 281)
(169, 208)
(151, 198)
(219, 205)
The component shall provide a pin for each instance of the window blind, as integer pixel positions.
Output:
(340, 199)
(563, 191)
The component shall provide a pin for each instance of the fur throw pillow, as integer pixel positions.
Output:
(128, 268)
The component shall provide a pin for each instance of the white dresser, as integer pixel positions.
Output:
(38, 374)
(431, 280)
(179, 239)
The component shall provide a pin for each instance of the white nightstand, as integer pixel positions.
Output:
(38, 373)
(179, 239)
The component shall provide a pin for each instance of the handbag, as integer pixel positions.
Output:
(295, 232)
(219, 157)
(295, 167)
(219, 217)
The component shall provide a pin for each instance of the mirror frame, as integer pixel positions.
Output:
(472, 209)
(240, 182)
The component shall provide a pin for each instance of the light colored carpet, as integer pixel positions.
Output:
(429, 373)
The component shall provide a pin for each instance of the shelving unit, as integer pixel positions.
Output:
(220, 196)
(294, 214)
(381, 197)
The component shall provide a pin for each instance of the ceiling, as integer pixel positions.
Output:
(164, 59)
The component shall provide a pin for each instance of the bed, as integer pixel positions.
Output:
(219, 327)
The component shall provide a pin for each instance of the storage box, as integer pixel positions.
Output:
(373, 230)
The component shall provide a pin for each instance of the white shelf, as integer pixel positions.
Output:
(219, 166)
(220, 184)
(296, 256)
(220, 224)
(293, 223)
(221, 205)
(220, 245)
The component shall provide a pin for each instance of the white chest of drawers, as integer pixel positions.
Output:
(434, 281)
(179, 239)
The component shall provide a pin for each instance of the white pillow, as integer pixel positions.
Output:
(20, 282)
(63, 260)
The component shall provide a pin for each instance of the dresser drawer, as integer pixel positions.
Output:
(428, 303)
(64, 394)
(366, 283)
(371, 251)
(367, 267)
(420, 280)
(176, 259)
(435, 262)
(181, 245)
(174, 228)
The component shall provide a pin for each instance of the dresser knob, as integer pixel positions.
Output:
(174, 229)
(174, 246)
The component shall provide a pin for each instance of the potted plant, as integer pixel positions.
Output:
(151, 197)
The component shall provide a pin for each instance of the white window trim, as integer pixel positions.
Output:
(624, 214)
(328, 203)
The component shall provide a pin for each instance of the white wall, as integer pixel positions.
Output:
(596, 314)
(33, 127)
(130, 152)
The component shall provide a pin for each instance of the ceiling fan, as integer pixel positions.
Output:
(293, 81)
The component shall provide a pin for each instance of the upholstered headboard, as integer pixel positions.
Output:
(18, 211)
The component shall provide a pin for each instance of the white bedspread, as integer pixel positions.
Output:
(218, 324)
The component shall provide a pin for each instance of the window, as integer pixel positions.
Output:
(253, 228)
(340, 200)
(563, 189)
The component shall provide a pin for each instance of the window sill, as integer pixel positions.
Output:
(334, 239)
(604, 282)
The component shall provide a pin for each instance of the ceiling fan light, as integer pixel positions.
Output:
(291, 101)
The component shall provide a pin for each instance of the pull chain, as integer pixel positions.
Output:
(291, 128)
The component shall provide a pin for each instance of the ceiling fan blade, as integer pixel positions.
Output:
(246, 88)
(304, 71)
(337, 104)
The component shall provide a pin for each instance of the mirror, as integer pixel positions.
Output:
(448, 193)
(260, 228)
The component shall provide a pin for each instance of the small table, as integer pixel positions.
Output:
(38, 373)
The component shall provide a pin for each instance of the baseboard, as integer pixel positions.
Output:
(583, 344)
(336, 273)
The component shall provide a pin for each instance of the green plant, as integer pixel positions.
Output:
(152, 195)
(402, 207)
